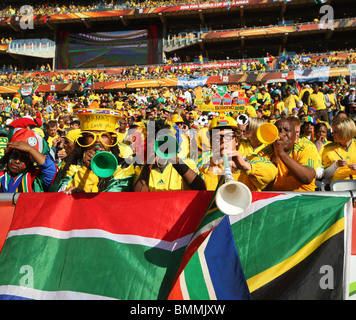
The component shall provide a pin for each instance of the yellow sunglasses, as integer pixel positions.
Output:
(94, 136)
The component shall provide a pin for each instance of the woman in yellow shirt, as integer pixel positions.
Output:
(277, 104)
(339, 157)
(252, 144)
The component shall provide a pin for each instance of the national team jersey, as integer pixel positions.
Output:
(333, 152)
(212, 180)
(3, 144)
(169, 179)
(304, 155)
(85, 179)
(261, 174)
(245, 148)
(309, 144)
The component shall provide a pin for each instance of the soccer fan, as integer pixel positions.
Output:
(98, 134)
(173, 174)
(296, 164)
(254, 171)
(339, 157)
(26, 168)
(317, 101)
(52, 130)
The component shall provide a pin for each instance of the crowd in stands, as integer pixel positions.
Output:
(10, 75)
(52, 8)
(5, 40)
(51, 141)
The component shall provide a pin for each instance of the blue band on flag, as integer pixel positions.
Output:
(224, 264)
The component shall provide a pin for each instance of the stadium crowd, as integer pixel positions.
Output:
(52, 8)
(47, 142)
(11, 75)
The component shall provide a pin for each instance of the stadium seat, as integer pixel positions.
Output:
(343, 185)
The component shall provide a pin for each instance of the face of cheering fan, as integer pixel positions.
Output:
(18, 161)
(223, 141)
(286, 133)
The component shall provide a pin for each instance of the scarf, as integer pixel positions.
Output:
(20, 183)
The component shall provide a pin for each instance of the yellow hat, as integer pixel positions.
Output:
(97, 119)
(176, 118)
(73, 135)
(39, 131)
(223, 121)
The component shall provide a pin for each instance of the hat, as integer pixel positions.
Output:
(97, 119)
(39, 131)
(32, 138)
(223, 121)
(309, 119)
(312, 109)
(176, 118)
(24, 122)
(73, 135)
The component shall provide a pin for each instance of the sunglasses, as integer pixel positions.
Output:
(93, 136)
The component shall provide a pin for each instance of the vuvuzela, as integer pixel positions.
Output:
(233, 197)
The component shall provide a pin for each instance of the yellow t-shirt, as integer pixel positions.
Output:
(212, 180)
(317, 101)
(245, 148)
(277, 106)
(261, 174)
(304, 155)
(333, 152)
(290, 102)
(169, 179)
(85, 179)
(121, 136)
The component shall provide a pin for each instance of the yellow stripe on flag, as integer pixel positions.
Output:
(272, 273)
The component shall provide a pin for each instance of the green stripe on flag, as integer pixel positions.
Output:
(194, 273)
(261, 244)
(90, 265)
